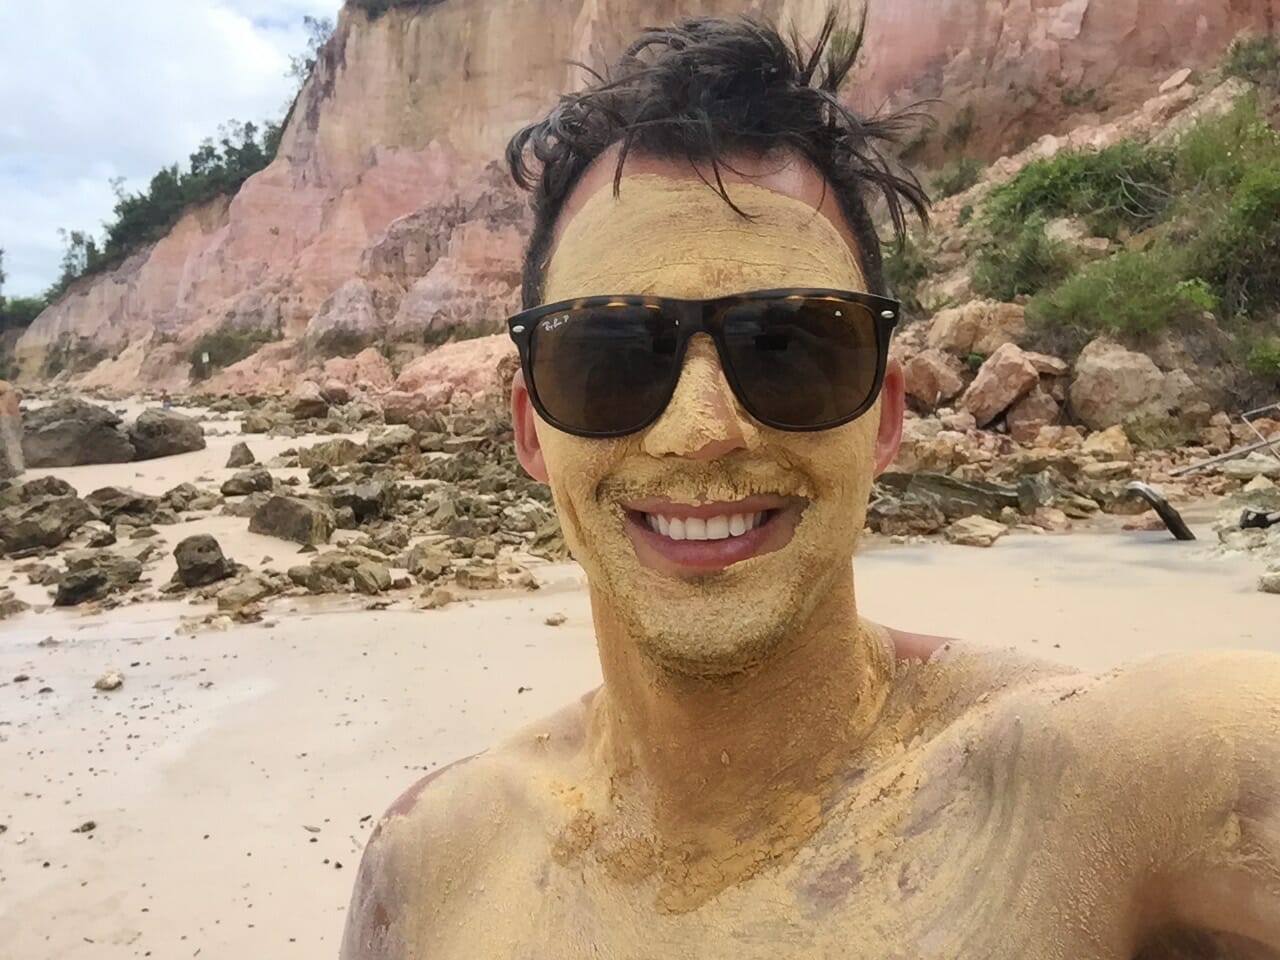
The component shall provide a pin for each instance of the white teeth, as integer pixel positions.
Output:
(712, 528)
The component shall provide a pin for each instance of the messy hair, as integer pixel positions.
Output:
(705, 90)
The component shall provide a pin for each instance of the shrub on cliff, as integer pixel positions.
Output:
(905, 268)
(226, 345)
(1022, 263)
(957, 178)
(376, 8)
(1256, 59)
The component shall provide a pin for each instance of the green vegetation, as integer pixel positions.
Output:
(71, 353)
(1021, 263)
(339, 342)
(965, 215)
(228, 344)
(905, 268)
(1256, 59)
(1082, 96)
(957, 178)
(960, 132)
(1264, 358)
(16, 313)
(1134, 292)
(376, 8)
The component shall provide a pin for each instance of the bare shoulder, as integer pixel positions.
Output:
(446, 831)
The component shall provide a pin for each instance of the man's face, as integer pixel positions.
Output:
(781, 511)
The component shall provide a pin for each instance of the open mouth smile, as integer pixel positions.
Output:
(678, 537)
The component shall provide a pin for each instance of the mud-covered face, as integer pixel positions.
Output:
(708, 536)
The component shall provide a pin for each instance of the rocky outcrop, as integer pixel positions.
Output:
(163, 433)
(72, 432)
(11, 459)
(383, 214)
(292, 518)
(1115, 385)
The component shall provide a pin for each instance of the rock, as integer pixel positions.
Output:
(307, 403)
(555, 620)
(10, 605)
(433, 598)
(94, 575)
(368, 371)
(933, 377)
(975, 532)
(164, 433)
(1051, 519)
(1107, 470)
(1269, 582)
(1113, 384)
(111, 680)
(338, 571)
(906, 517)
(478, 577)
(241, 456)
(43, 522)
(1003, 379)
(40, 487)
(292, 518)
(399, 406)
(335, 393)
(389, 443)
(1029, 415)
(371, 578)
(257, 478)
(1258, 484)
(1177, 79)
(201, 562)
(961, 421)
(953, 498)
(331, 453)
(247, 506)
(981, 327)
(1110, 444)
(1035, 491)
(367, 501)
(1250, 467)
(12, 462)
(1046, 365)
(71, 433)
(248, 590)
(322, 476)
(111, 502)
(99, 535)
(261, 421)
(426, 562)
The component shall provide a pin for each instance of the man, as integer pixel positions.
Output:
(763, 774)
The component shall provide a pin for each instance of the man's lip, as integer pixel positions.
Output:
(680, 558)
(703, 511)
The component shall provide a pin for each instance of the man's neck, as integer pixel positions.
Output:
(737, 768)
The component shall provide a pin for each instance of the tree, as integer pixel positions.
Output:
(1, 279)
(319, 30)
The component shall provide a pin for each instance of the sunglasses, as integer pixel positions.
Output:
(796, 360)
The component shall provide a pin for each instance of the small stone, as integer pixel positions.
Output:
(111, 680)
(241, 456)
(1259, 483)
(434, 598)
(1270, 582)
(975, 531)
(555, 620)
(87, 827)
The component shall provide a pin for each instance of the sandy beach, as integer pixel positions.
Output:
(234, 777)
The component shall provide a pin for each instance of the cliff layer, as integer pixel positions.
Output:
(384, 215)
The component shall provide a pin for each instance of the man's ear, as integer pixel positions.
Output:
(523, 418)
(892, 403)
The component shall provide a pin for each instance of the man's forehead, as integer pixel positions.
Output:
(784, 173)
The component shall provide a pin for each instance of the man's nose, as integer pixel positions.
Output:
(703, 421)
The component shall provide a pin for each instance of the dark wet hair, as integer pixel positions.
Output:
(705, 90)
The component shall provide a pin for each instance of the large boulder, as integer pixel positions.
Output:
(70, 433)
(42, 522)
(980, 327)
(113, 501)
(1034, 411)
(11, 459)
(164, 433)
(257, 478)
(337, 452)
(94, 574)
(292, 518)
(1114, 385)
(933, 377)
(1005, 378)
(241, 456)
(201, 561)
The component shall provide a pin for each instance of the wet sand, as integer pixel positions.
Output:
(234, 778)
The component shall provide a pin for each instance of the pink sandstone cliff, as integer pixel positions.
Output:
(384, 216)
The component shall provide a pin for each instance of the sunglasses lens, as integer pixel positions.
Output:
(802, 363)
(605, 369)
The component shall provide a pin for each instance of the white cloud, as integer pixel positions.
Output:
(91, 90)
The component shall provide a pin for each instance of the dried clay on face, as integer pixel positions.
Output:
(676, 237)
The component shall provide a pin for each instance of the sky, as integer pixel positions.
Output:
(91, 90)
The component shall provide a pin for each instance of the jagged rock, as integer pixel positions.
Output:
(247, 506)
(40, 574)
(1269, 582)
(255, 479)
(1251, 467)
(335, 392)
(331, 453)
(975, 532)
(478, 577)
(164, 433)
(433, 598)
(111, 680)
(261, 421)
(201, 562)
(292, 518)
(114, 501)
(954, 498)
(402, 407)
(1036, 491)
(338, 571)
(40, 487)
(1113, 384)
(182, 497)
(1107, 470)
(95, 574)
(248, 590)
(388, 443)
(981, 327)
(43, 522)
(322, 476)
(367, 501)
(1110, 444)
(426, 562)
(241, 456)
(524, 517)
(10, 605)
(933, 377)
(1006, 377)
(1046, 365)
(307, 402)
(1034, 411)
(70, 433)
(99, 535)
(904, 517)
(11, 459)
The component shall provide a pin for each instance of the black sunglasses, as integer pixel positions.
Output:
(804, 359)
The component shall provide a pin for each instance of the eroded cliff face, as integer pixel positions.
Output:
(385, 216)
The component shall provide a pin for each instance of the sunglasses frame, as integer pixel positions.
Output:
(705, 316)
